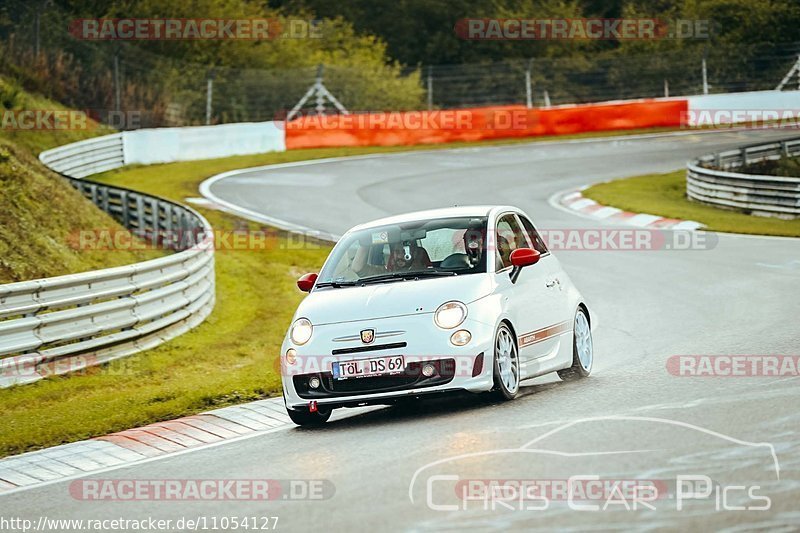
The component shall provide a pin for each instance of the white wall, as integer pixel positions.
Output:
(757, 106)
(164, 145)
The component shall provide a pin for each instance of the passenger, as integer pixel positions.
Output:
(407, 256)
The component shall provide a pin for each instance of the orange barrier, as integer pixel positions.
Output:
(427, 127)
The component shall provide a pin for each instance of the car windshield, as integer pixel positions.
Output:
(440, 247)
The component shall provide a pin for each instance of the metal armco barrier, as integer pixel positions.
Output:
(84, 158)
(67, 323)
(711, 180)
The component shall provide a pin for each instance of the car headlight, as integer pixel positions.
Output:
(301, 331)
(450, 315)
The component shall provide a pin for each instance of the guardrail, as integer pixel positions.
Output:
(84, 158)
(710, 180)
(67, 323)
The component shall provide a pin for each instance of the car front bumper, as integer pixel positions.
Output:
(467, 368)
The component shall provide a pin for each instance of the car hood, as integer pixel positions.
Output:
(394, 298)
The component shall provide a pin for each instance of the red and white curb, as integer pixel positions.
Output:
(140, 444)
(575, 201)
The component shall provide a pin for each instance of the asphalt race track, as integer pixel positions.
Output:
(400, 469)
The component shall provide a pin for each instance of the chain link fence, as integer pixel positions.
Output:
(122, 84)
(555, 81)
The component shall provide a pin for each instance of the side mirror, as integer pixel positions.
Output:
(306, 282)
(522, 257)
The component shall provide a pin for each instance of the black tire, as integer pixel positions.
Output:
(579, 369)
(307, 418)
(501, 390)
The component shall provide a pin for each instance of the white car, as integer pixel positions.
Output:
(456, 299)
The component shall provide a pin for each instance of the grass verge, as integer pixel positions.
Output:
(40, 213)
(665, 195)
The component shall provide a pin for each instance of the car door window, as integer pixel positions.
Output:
(509, 236)
(533, 236)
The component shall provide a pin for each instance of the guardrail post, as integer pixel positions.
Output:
(141, 226)
(167, 218)
(126, 214)
(182, 231)
(154, 229)
(105, 199)
(744, 156)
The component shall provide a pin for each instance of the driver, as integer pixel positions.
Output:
(473, 245)
(407, 256)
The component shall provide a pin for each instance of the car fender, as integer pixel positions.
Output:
(492, 310)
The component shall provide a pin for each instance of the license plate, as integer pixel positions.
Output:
(363, 368)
